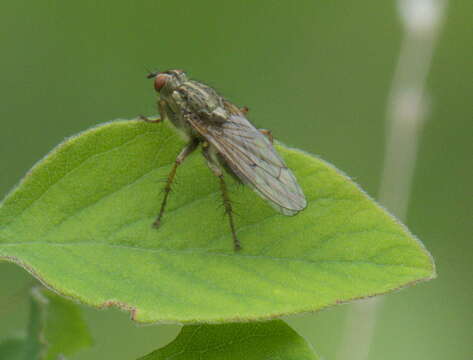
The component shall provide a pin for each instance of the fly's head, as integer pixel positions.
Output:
(181, 96)
(165, 82)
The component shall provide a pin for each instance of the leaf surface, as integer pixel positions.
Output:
(250, 341)
(80, 221)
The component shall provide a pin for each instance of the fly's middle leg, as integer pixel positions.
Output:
(188, 149)
(217, 170)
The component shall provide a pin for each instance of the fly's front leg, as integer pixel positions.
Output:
(150, 120)
(162, 114)
(188, 149)
(217, 170)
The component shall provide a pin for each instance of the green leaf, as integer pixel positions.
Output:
(80, 221)
(250, 341)
(55, 329)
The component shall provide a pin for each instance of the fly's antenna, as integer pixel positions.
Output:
(151, 74)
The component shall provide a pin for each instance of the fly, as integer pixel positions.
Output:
(229, 142)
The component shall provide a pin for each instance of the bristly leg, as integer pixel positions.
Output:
(188, 149)
(229, 211)
(216, 169)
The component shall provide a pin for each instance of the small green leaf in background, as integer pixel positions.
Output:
(81, 222)
(29, 347)
(55, 329)
(64, 331)
(250, 341)
(13, 349)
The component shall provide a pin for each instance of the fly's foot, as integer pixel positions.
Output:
(237, 246)
(157, 223)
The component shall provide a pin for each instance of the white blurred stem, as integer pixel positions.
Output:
(406, 111)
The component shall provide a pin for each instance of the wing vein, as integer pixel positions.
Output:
(252, 157)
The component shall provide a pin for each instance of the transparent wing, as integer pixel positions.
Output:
(252, 157)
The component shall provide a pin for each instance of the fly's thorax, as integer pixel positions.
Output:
(200, 97)
(191, 98)
(175, 108)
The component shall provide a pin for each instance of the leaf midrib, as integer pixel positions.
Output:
(53, 227)
(195, 251)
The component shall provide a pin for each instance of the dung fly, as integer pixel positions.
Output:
(229, 142)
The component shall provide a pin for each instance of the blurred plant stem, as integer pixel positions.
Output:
(406, 111)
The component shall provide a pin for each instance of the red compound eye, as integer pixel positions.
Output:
(160, 81)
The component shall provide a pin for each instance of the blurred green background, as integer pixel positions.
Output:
(316, 73)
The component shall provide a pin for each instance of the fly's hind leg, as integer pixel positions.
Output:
(244, 110)
(188, 149)
(268, 134)
(217, 170)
